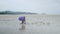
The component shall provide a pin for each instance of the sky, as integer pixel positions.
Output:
(35, 6)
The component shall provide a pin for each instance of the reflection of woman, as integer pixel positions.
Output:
(23, 26)
(22, 18)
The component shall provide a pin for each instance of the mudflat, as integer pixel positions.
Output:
(35, 24)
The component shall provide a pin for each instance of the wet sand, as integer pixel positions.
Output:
(35, 24)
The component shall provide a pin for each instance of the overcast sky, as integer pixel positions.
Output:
(37, 6)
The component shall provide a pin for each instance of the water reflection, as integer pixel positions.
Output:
(22, 27)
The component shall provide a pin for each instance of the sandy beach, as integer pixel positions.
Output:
(35, 24)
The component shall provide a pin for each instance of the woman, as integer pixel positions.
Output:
(22, 18)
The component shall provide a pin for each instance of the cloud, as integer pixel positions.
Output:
(38, 6)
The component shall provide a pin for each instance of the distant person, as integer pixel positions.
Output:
(22, 18)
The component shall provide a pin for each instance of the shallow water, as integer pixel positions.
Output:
(35, 24)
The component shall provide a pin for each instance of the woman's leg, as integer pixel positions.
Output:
(23, 22)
